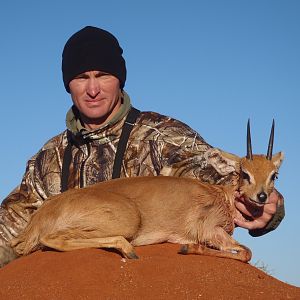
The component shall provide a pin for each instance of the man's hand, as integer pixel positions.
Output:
(252, 217)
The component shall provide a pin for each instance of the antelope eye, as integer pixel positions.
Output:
(245, 176)
(274, 176)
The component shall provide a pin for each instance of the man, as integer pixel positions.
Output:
(106, 138)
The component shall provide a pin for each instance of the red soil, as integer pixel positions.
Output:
(160, 273)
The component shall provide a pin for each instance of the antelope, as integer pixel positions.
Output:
(128, 212)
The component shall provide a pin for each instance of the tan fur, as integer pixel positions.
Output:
(129, 212)
(261, 171)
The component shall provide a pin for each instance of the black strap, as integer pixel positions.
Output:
(66, 164)
(127, 127)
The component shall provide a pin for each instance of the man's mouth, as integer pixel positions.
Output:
(93, 100)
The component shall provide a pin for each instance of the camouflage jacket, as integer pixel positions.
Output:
(158, 145)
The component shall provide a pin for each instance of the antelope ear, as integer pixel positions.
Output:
(223, 162)
(277, 159)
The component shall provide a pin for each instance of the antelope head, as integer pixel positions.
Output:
(258, 172)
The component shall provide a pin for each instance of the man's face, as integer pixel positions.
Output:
(97, 96)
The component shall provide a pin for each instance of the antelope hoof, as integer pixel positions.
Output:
(246, 254)
(184, 249)
(6, 255)
(132, 255)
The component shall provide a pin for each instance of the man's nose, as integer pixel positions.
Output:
(93, 87)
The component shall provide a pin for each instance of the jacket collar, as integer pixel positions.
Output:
(107, 132)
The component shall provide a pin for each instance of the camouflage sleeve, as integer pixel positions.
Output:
(40, 181)
(185, 155)
(18, 206)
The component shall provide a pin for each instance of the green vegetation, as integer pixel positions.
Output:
(264, 267)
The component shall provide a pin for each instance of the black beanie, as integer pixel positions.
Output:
(89, 49)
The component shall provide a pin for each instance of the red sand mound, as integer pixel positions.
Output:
(160, 273)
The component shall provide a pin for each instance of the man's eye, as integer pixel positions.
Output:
(103, 75)
(80, 77)
(245, 176)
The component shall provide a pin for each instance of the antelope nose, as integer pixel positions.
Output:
(262, 197)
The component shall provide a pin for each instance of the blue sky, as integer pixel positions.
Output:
(212, 64)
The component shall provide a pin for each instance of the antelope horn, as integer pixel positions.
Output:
(249, 147)
(271, 142)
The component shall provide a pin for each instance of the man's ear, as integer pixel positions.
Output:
(277, 159)
(223, 162)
